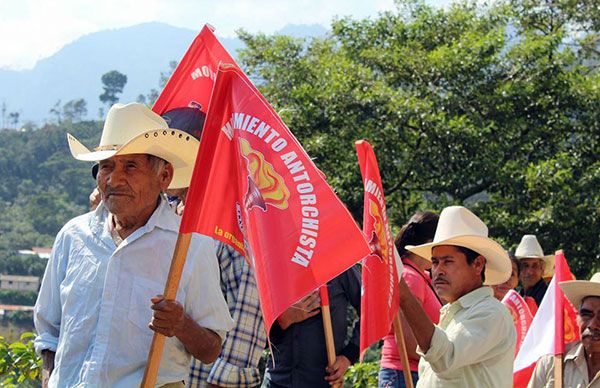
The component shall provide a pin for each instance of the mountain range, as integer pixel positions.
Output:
(141, 52)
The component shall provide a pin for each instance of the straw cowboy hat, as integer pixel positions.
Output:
(458, 226)
(135, 129)
(576, 290)
(530, 248)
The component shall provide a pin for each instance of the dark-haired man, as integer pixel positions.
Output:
(474, 343)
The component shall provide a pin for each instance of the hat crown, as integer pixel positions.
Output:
(595, 278)
(529, 247)
(458, 221)
(126, 121)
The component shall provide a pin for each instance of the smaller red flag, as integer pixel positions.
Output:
(380, 299)
(520, 313)
(192, 82)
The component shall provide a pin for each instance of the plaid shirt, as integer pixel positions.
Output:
(237, 365)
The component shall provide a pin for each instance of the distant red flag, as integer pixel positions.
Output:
(553, 326)
(192, 81)
(255, 188)
(380, 299)
(520, 313)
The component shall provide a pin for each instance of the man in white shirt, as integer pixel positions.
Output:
(100, 300)
(474, 343)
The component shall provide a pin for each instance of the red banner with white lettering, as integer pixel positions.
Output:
(380, 299)
(520, 313)
(255, 188)
(192, 82)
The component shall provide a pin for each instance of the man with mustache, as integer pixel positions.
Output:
(474, 343)
(581, 363)
(100, 299)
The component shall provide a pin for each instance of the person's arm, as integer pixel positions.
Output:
(421, 326)
(349, 355)
(47, 311)
(47, 366)
(305, 308)
(243, 346)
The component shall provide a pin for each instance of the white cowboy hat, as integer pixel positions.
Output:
(458, 226)
(135, 129)
(576, 290)
(530, 248)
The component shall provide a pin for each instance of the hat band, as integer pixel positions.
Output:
(112, 147)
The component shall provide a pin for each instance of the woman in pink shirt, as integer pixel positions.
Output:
(419, 230)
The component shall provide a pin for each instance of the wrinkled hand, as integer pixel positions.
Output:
(337, 370)
(305, 308)
(168, 318)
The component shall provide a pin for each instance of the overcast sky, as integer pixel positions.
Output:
(35, 29)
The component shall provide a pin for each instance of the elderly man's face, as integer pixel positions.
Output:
(453, 277)
(589, 324)
(130, 185)
(531, 272)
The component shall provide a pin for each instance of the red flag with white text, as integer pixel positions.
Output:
(192, 82)
(379, 299)
(255, 188)
(520, 313)
(553, 326)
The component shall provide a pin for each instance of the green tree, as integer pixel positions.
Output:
(113, 83)
(20, 366)
(75, 110)
(469, 104)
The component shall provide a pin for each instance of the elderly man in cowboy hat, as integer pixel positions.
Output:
(474, 343)
(100, 301)
(581, 363)
(533, 265)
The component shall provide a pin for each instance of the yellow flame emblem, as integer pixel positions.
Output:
(378, 241)
(265, 185)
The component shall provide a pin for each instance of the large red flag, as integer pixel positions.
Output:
(192, 81)
(553, 326)
(254, 187)
(520, 313)
(380, 299)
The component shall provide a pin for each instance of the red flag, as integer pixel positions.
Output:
(192, 81)
(380, 299)
(553, 326)
(255, 188)
(520, 313)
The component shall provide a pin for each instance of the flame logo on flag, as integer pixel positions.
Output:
(378, 242)
(265, 185)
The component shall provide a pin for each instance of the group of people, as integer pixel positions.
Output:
(100, 301)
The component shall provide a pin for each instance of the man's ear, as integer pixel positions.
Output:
(479, 264)
(166, 176)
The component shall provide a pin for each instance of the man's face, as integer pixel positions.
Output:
(589, 324)
(531, 271)
(452, 276)
(500, 290)
(130, 186)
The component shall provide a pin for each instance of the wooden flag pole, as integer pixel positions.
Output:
(399, 333)
(329, 344)
(158, 341)
(558, 371)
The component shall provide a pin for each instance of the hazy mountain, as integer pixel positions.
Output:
(141, 52)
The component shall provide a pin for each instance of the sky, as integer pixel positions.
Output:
(35, 29)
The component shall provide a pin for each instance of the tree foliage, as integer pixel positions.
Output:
(113, 83)
(471, 105)
(20, 366)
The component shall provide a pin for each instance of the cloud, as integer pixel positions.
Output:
(35, 29)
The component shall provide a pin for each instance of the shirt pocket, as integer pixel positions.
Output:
(142, 291)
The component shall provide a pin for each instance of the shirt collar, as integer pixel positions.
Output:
(475, 296)
(163, 217)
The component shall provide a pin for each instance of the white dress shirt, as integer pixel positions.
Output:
(93, 308)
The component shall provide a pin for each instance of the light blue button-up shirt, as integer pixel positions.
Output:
(93, 308)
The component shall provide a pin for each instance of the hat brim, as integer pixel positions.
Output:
(174, 146)
(576, 290)
(497, 267)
